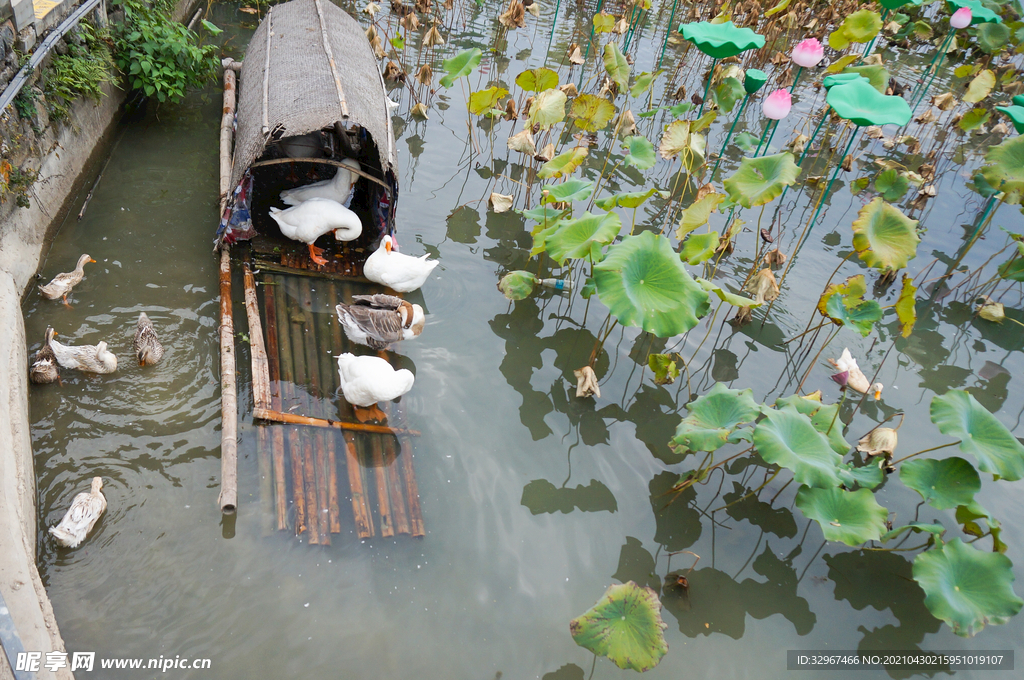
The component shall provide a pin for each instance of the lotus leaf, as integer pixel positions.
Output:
(699, 248)
(861, 104)
(575, 238)
(644, 284)
(992, 36)
(517, 285)
(616, 66)
(698, 213)
(540, 237)
(884, 237)
(1016, 116)
(896, 4)
(860, 27)
(676, 139)
(726, 296)
(462, 64)
(632, 199)
(712, 420)
(591, 112)
(935, 529)
(703, 122)
(845, 305)
(906, 308)
(1005, 169)
(483, 101)
(625, 625)
(823, 417)
(979, 13)
(537, 79)
(867, 476)
(573, 189)
(761, 180)
(664, 367)
(719, 41)
(641, 152)
(837, 67)
(547, 109)
(603, 22)
(544, 214)
(974, 119)
(1013, 269)
(968, 515)
(840, 78)
(788, 438)
(980, 87)
(878, 76)
(729, 91)
(965, 587)
(891, 184)
(850, 517)
(943, 484)
(958, 414)
(643, 83)
(563, 163)
(753, 80)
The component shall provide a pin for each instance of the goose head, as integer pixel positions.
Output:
(104, 357)
(351, 227)
(82, 260)
(388, 243)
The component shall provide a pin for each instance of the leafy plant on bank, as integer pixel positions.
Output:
(159, 56)
(81, 72)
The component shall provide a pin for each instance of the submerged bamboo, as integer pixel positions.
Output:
(277, 433)
(288, 396)
(260, 365)
(328, 379)
(411, 489)
(297, 319)
(319, 448)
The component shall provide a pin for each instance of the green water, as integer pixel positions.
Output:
(534, 501)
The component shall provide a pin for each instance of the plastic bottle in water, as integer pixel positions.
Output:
(558, 284)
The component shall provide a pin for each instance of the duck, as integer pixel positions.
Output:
(80, 518)
(148, 349)
(379, 320)
(401, 273)
(313, 218)
(45, 368)
(62, 283)
(365, 380)
(850, 375)
(338, 188)
(88, 358)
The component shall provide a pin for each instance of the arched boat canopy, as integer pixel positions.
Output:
(308, 67)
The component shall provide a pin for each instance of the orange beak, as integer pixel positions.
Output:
(387, 246)
(878, 395)
(91, 260)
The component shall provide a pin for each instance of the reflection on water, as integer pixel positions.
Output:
(533, 500)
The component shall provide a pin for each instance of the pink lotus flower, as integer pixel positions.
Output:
(961, 18)
(808, 53)
(776, 105)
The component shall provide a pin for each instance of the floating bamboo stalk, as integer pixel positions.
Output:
(387, 527)
(328, 377)
(277, 437)
(227, 131)
(317, 443)
(296, 419)
(288, 397)
(398, 509)
(228, 498)
(306, 450)
(412, 490)
(260, 366)
(266, 480)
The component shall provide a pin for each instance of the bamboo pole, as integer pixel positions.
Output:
(277, 433)
(260, 365)
(387, 528)
(319, 447)
(297, 419)
(263, 458)
(299, 360)
(228, 498)
(288, 395)
(411, 488)
(227, 131)
(398, 505)
(328, 380)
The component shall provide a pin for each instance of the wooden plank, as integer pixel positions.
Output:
(360, 507)
(297, 320)
(260, 366)
(319, 448)
(297, 419)
(387, 528)
(228, 497)
(227, 132)
(277, 433)
(398, 498)
(287, 398)
(411, 488)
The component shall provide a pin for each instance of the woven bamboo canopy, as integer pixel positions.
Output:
(308, 67)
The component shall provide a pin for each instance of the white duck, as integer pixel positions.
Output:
(850, 375)
(338, 188)
(399, 272)
(379, 320)
(88, 358)
(62, 283)
(80, 518)
(311, 219)
(365, 380)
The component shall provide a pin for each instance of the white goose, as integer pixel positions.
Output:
(80, 518)
(365, 380)
(338, 188)
(88, 358)
(399, 272)
(850, 375)
(311, 219)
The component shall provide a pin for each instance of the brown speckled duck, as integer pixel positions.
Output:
(44, 368)
(148, 349)
(62, 284)
(379, 320)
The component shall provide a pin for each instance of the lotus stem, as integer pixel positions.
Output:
(707, 88)
(821, 203)
(934, 448)
(916, 97)
(728, 136)
(796, 78)
(668, 31)
(554, 20)
(986, 217)
(600, 3)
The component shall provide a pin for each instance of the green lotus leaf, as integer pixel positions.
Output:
(850, 517)
(1013, 269)
(726, 296)
(640, 152)
(1004, 170)
(1016, 115)
(867, 476)
(483, 101)
(965, 587)
(713, 418)
(517, 285)
(563, 163)
(968, 515)
(824, 418)
(545, 214)
(878, 76)
(572, 189)
(935, 529)
(892, 184)
(603, 22)
(462, 64)
(788, 438)
(632, 199)
(575, 238)
(704, 121)
(857, 101)
(884, 237)
(616, 66)
(980, 87)
(625, 625)
(845, 305)
(719, 41)
(746, 141)
(992, 36)
(943, 484)
(761, 180)
(644, 284)
(591, 112)
(698, 213)
(699, 248)
(753, 80)
(537, 79)
(860, 26)
(728, 92)
(982, 435)
(679, 138)
(906, 307)
(643, 83)
(839, 78)
(540, 237)
(664, 367)
(979, 13)
(974, 119)
(547, 109)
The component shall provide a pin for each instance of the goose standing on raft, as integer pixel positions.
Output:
(87, 358)
(379, 320)
(311, 219)
(365, 380)
(62, 283)
(338, 188)
(399, 272)
(45, 368)
(148, 349)
(850, 375)
(81, 516)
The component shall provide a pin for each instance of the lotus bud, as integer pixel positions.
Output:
(808, 53)
(841, 378)
(961, 18)
(777, 105)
